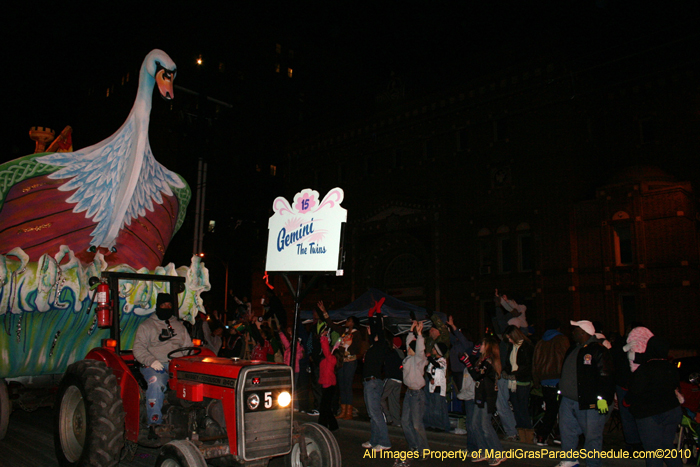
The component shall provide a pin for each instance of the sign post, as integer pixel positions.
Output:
(306, 237)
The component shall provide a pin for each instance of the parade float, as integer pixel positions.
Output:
(68, 216)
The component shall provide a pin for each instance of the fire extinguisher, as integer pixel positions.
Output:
(104, 310)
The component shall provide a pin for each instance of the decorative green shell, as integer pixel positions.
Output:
(27, 167)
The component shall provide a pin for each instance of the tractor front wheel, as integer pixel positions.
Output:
(180, 453)
(321, 448)
(89, 417)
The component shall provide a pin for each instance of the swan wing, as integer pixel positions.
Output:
(95, 174)
(154, 179)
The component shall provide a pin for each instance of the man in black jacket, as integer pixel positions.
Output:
(587, 388)
(373, 381)
(391, 394)
(623, 377)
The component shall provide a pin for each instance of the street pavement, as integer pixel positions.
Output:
(29, 443)
(353, 433)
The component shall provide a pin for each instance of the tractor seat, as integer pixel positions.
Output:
(135, 367)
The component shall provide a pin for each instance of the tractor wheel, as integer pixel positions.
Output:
(180, 453)
(321, 448)
(5, 408)
(89, 417)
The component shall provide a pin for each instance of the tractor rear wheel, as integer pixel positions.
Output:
(89, 417)
(5, 408)
(321, 448)
(180, 453)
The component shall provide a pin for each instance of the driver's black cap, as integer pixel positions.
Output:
(163, 298)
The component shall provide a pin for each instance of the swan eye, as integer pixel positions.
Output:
(164, 73)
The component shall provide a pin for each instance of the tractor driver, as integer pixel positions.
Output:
(155, 338)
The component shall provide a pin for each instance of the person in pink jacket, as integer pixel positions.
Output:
(288, 351)
(332, 361)
(287, 357)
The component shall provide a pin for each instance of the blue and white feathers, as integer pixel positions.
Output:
(118, 179)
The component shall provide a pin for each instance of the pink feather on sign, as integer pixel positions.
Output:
(332, 198)
(281, 205)
(292, 224)
(318, 236)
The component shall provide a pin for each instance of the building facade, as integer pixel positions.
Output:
(541, 182)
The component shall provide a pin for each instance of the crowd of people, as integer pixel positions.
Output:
(568, 386)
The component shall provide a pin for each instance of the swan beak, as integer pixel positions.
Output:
(164, 80)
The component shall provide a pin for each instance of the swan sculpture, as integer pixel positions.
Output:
(117, 184)
(117, 179)
(66, 217)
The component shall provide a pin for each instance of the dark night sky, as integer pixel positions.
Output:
(345, 51)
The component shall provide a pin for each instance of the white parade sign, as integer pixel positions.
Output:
(306, 236)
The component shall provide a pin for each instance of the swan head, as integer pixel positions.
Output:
(162, 68)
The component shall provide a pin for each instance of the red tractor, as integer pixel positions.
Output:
(218, 410)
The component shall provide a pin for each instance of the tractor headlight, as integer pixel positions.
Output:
(253, 401)
(284, 399)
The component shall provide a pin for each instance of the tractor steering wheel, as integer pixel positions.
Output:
(189, 350)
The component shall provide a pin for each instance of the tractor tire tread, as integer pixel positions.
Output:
(105, 411)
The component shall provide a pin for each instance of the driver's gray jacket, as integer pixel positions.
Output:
(154, 341)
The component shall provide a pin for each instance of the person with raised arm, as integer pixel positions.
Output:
(414, 399)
